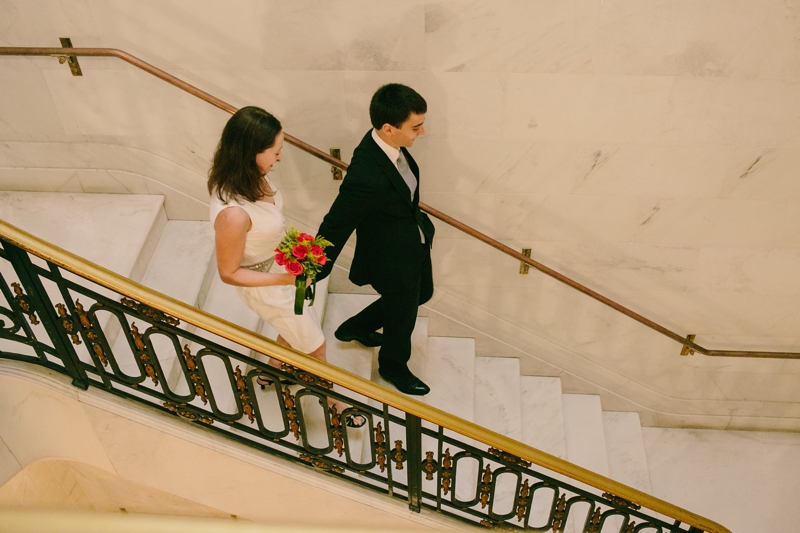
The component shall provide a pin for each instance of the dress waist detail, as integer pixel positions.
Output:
(263, 266)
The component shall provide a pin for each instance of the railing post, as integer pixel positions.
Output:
(41, 302)
(414, 443)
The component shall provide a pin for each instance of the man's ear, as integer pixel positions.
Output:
(386, 129)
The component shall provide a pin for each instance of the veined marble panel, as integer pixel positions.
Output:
(308, 103)
(125, 102)
(9, 465)
(71, 485)
(25, 22)
(651, 170)
(763, 173)
(627, 109)
(511, 36)
(474, 209)
(27, 106)
(615, 266)
(730, 111)
(464, 105)
(496, 166)
(210, 35)
(568, 218)
(705, 470)
(547, 107)
(36, 423)
(580, 108)
(748, 39)
(317, 35)
(788, 235)
(749, 270)
(730, 314)
(708, 222)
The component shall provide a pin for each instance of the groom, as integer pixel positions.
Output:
(379, 199)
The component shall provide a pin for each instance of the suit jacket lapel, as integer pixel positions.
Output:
(392, 173)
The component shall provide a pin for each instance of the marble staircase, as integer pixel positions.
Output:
(176, 257)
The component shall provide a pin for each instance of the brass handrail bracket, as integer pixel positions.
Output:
(687, 350)
(70, 60)
(524, 267)
(336, 172)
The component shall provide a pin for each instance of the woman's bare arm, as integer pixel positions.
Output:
(230, 228)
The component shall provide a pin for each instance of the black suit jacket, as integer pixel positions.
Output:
(375, 201)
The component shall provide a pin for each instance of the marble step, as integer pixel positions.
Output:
(450, 373)
(350, 356)
(585, 435)
(627, 461)
(586, 445)
(118, 232)
(180, 268)
(543, 415)
(497, 407)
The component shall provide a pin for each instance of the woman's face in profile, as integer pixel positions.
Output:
(266, 159)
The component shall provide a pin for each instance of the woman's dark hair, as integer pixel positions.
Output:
(234, 173)
(393, 103)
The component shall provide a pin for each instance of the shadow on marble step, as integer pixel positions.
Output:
(543, 414)
(627, 460)
(585, 435)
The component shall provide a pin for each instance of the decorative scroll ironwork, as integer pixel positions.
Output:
(619, 502)
(149, 312)
(507, 457)
(399, 455)
(380, 447)
(24, 303)
(202, 381)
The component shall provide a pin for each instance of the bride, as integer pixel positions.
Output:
(247, 215)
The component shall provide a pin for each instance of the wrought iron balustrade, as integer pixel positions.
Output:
(107, 332)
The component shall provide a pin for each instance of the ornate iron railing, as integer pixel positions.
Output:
(108, 332)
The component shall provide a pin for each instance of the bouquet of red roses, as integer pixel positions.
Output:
(303, 256)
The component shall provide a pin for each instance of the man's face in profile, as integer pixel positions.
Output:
(408, 131)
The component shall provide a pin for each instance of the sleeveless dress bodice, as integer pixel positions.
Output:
(267, 230)
(274, 303)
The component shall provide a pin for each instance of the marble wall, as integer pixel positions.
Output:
(647, 148)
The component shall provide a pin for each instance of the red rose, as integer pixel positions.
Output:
(321, 259)
(280, 258)
(303, 237)
(294, 268)
(300, 251)
(316, 250)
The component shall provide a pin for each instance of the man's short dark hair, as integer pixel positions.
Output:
(393, 103)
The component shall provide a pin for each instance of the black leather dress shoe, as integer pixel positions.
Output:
(369, 340)
(406, 383)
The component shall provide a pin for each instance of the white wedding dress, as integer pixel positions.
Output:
(275, 303)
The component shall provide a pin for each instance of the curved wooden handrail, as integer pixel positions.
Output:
(689, 346)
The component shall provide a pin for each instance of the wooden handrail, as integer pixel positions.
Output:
(689, 345)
